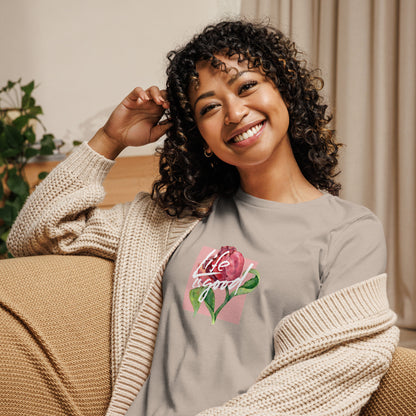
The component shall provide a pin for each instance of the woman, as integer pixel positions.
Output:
(273, 288)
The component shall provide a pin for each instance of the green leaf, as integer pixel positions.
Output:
(20, 121)
(210, 301)
(5, 234)
(28, 88)
(9, 86)
(10, 153)
(35, 111)
(27, 101)
(250, 285)
(16, 203)
(3, 141)
(13, 136)
(76, 143)
(30, 135)
(194, 295)
(1, 189)
(3, 247)
(8, 214)
(18, 185)
(43, 175)
(47, 144)
(31, 152)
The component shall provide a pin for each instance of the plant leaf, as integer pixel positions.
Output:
(3, 141)
(27, 102)
(10, 153)
(5, 234)
(18, 185)
(16, 203)
(28, 88)
(43, 175)
(250, 285)
(30, 135)
(47, 144)
(8, 214)
(3, 247)
(194, 295)
(35, 110)
(20, 121)
(9, 86)
(13, 136)
(210, 304)
(210, 301)
(31, 152)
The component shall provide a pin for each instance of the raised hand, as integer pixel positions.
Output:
(134, 122)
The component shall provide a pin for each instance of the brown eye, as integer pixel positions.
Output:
(207, 108)
(246, 86)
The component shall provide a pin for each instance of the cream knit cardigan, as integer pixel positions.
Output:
(329, 356)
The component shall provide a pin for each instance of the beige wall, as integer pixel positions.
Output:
(87, 54)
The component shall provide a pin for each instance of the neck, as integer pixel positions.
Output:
(278, 180)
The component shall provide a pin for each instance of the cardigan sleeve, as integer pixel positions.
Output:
(330, 357)
(60, 216)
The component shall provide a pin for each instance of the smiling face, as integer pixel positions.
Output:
(240, 114)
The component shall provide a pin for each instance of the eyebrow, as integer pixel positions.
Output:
(229, 82)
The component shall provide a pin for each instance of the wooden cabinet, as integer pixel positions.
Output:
(128, 176)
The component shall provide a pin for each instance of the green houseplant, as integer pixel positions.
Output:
(19, 116)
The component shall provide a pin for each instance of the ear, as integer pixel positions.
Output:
(207, 151)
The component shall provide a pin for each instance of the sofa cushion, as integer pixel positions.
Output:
(55, 314)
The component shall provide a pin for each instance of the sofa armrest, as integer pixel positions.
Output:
(55, 316)
(55, 319)
(396, 394)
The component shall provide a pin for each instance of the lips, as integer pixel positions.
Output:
(246, 132)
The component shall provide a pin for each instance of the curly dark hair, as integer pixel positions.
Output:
(187, 177)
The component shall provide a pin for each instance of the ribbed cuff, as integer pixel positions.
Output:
(87, 164)
(364, 302)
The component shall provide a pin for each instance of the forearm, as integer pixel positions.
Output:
(61, 216)
(103, 144)
(330, 357)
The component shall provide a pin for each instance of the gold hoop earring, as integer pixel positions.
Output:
(207, 154)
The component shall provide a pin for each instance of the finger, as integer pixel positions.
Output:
(156, 95)
(158, 131)
(138, 95)
(166, 103)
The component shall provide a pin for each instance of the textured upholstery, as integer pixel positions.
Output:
(396, 395)
(55, 336)
(55, 314)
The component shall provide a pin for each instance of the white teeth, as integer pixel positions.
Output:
(247, 134)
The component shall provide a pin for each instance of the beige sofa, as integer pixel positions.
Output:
(55, 342)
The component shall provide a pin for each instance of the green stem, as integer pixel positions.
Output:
(228, 297)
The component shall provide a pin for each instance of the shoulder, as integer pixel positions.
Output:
(347, 212)
(356, 246)
(146, 210)
(348, 217)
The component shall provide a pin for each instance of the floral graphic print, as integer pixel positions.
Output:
(221, 271)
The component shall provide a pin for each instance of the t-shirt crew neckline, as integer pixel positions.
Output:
(266, 203)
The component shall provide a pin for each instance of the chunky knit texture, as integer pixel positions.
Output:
(330, 355)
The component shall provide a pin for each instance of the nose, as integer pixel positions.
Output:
(235, 111)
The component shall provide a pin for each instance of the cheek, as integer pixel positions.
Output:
(210, 131)
(279, 108)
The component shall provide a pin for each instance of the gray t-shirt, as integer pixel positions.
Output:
(231, 281)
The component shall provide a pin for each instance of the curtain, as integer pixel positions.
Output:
(366, 50)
